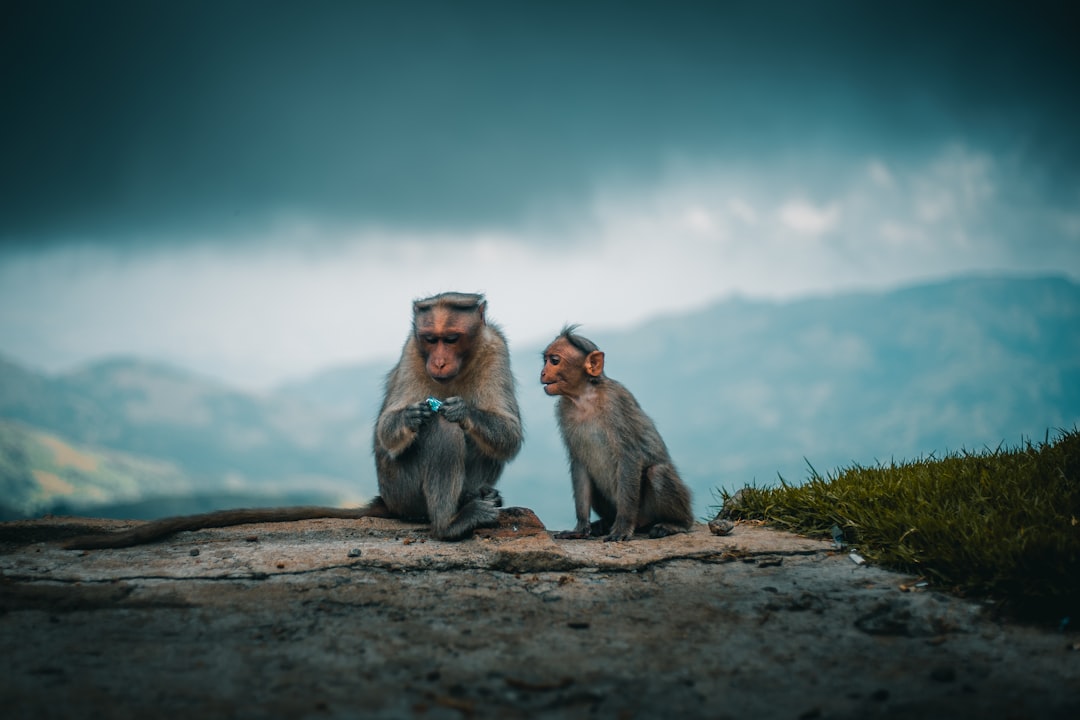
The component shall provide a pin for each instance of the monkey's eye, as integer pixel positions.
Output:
(450, 339)
(554, 359)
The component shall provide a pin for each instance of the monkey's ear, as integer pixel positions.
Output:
(480, 311)
(594, 363)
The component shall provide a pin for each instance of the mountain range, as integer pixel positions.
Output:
(743, 391)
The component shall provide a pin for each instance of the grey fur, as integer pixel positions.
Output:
(442, 467)
(439, 467)
(620, 466)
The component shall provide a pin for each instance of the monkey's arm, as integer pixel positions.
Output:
(396, 428)
(579, 476)
(627, 496)
(497, 434)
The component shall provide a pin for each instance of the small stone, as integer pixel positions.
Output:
(721, 526)
(354, 553)
(194, 552)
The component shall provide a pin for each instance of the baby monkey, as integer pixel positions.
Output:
(619, 464)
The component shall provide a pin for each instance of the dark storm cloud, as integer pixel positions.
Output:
(131, 119)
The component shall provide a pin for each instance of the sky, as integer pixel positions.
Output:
(258, 190)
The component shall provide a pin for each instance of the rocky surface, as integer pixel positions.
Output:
(334, 618)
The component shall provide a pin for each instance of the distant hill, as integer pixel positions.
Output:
(743, 391)
(967, 362)
(224, 444)
(40, 473)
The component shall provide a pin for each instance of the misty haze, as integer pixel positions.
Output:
(805, 234)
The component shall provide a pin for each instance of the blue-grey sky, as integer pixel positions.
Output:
(256, 190)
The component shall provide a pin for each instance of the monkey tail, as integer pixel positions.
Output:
(159, 529)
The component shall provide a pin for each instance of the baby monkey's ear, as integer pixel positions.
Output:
(594, 363)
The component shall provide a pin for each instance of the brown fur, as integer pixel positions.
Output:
(619, 464)
(441, 467)
(160, 529)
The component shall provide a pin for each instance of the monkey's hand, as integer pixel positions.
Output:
(454, 409)
(416, 414)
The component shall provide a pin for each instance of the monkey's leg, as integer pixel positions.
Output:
(628, 487)
(665, 502)
(401, 488)
(454, 505)
(475, 513)
(583, 502)
(481, 475)
(660, 530)
(476, 508)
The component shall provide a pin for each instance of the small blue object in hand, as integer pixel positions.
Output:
(434, 404)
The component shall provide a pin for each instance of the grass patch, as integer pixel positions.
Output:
(1000, 525)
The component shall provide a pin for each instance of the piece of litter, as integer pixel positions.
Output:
(857, 558)
(837, 537)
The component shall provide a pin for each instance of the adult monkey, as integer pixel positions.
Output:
(435, 460)
(619, 464)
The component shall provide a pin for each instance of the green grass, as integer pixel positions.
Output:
(1000, 525)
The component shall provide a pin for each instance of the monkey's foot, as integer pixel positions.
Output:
(492, 495)
(660, 530)
(478, 513)
(570, 535)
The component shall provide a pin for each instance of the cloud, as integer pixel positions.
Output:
(210, 119)
(700, 220)
(958, 184)
(742, 211)
(808, 219)
(879, 173)
(1069, 223)
(320, 294)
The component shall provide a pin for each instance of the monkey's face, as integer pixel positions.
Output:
(444, 339)
(564, 370)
